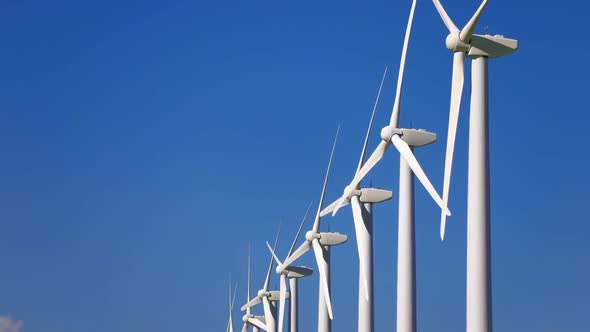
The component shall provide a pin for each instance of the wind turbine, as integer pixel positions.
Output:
(232, 299)
(479, 48)
(321, 243)
(361, 201)
(293, 273)
(404, 140)
(266, 297)
(257, 322)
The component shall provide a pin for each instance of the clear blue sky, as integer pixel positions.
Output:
(143, 144)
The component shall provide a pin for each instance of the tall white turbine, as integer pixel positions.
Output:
(361, 201)
(404, 140)
(321, 242)
(479, 48)
(293, 274)
(266, 297)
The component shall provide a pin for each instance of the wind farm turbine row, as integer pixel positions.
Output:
(464, 43)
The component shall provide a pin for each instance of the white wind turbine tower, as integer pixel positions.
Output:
(479, 48)
(293, 273)
(232, 299)
(321, 243)
(404, 141)
(363, 228)
(266, 297)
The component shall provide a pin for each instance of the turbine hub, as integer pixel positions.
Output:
(262, 293)
(455, 44)
(245, 318)
(388, 132)
(310, 235)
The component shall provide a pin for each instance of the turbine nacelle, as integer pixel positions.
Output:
(296, 272)
(482, 45)
(413, 137)
(275, 296)
(332, 239)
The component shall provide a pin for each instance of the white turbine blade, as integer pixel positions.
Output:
(272, 252)
(468, 29)
(364, 150)
(233, 300)
(269, 319)
(359, 227)
(300, 251)
(249, 277)
(340, 203)
(410, 159)
(251, 303)
(394, 121)
(445, 17)
(267, 280)
(456, 94)
(283, 297)
(230, 322)
(259, 324)
(323, 269)
(316, 223)
(330, 208)
(245, 327)
(299, 230)
(229, 287)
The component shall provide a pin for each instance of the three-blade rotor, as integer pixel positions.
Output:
(458, 42)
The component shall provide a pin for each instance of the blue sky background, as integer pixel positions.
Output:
(144, 144)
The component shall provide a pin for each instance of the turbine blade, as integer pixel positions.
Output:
(410, 159)
(272, 252)
(234, 296)
(394, 121)
(267, 280)
(300, 251)
(330, 208)
(316, 223)
(259, 324)
(445, 17)
(283, 297)
(299, 230)
(268, 317)
(251, 303)
(245, 327)
(323, 269)
(456, 94)
(249, 277)
(363, 152)
(230, 303)
(359, 228)
(340, 202)
(468, 29)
